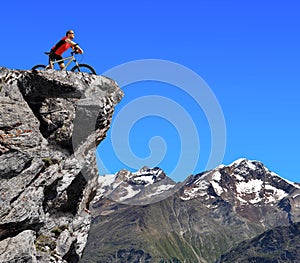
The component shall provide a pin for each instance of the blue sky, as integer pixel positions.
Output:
(247, 52)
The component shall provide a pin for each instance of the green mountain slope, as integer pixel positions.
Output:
(277, 245)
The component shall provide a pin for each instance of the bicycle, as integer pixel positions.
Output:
(77, 68)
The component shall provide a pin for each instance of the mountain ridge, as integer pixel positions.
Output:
(203, 219)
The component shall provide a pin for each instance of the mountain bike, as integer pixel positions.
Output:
(77, 68)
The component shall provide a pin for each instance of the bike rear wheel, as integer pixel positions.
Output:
(39, 67)
(84, 68)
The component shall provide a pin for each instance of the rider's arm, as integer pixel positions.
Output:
(75, 46)
(78, 49)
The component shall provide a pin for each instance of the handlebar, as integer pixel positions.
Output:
(74, 52)
(75, 49)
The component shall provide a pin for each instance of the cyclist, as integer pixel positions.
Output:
(61, 46)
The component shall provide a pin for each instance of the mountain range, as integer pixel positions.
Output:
(242, 212)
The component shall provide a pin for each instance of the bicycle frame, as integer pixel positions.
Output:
(70, 59)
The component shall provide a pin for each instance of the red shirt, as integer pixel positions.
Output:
(63, 46)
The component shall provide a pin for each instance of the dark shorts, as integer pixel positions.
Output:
(54, 57)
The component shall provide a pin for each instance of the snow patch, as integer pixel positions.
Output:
(130, 193)
(238, 177)
(220, 167)
(277, 194)
(106, 181)
(256, 200)
(251, 165)
(202, 184)
(217, 176)
(252, 186)
(218, 189)
(199, 190)
(144, 178)
(241, 199)
(160, 189)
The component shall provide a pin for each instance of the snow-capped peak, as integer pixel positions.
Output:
(139, 187)
(246, 165)
(243, 181)
(144, 176)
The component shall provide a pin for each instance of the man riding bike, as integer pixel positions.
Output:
(63, 45)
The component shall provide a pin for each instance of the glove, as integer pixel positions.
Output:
(76, 49)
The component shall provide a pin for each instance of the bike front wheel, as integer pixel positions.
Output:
(39, 67)
(84, 68)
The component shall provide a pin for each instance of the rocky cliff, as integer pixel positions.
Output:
(50, 124)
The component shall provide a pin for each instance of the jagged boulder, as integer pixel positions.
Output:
(50, 123)
(20, 248)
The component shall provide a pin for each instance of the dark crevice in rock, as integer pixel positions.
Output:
(12, 229)
(211, 191)
(72, 256)
(45, 129)
(75, 194)
(35, 105)
(68, 201)
(50, 193)
(90, 199)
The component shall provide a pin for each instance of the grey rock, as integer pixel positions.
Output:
(19, 249)
(48, 173)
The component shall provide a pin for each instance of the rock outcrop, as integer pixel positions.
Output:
(50, 124)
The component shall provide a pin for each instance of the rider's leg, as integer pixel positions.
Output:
(62, 65)
(52, 58)
(50, 66)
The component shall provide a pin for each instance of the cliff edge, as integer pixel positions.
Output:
(50, 123)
